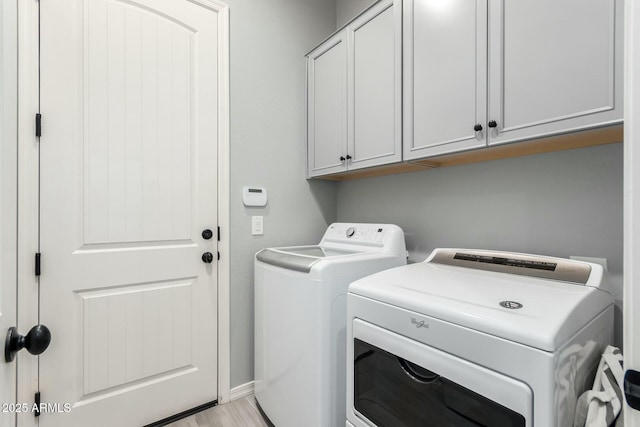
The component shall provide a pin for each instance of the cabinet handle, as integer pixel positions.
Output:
(492, 124)
(477, 127)
(342, 159)
(348, 157)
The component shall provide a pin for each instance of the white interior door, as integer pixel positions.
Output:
(8, 198)
(128, 184)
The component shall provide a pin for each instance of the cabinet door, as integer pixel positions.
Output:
(375, 86)
(554, 66)
(327, 107)
(444, 76)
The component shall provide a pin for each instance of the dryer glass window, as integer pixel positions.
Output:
(391, 391)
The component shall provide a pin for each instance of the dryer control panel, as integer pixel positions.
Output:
(543, 267)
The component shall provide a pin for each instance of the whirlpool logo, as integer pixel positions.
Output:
(419, 323)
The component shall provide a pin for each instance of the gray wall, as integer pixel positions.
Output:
(347, 9)
(565, 203)
(559, 204)
(268, 44)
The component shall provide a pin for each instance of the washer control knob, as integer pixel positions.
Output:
(351, 231)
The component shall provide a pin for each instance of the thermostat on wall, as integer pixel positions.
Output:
(254, 196)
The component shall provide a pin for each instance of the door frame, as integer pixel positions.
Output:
(631, 198)
(8, 188)
(28, 197)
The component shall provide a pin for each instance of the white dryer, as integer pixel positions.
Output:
(300, 320)
(473, 337)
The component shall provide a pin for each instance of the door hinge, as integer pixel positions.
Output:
(38, 124)
(38, 266)
(218, 256)
(36, 401)
(218, 233)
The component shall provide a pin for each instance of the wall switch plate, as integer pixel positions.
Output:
(257, 225)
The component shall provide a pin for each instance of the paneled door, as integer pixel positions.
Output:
(553, 67)
(375, 86)
(327, 105)
(445, 76)
(128, 157)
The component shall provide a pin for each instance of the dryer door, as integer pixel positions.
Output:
(398, 381)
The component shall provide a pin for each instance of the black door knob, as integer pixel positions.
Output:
(342, 159)
(36, 341)
(207, 257)
(477, 127)
(492, 124)
(348, 157)
(207, 234)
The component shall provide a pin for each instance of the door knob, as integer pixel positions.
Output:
(342, 159)
(492, 124)
(36, 341)
(207, 257)
(477, 127)
(207, 234)
(348, 157)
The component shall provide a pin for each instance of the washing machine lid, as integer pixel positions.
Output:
(354, 243)
(300, 258)
(539, 312)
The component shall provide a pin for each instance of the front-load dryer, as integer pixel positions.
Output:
(475, 337)
(300, 320)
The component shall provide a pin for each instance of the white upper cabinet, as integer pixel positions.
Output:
(488, 72)
(554, 66)
(327, 107)
(445, 75)
(375, 87)
(354, 94)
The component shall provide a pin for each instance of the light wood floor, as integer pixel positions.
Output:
(239, 413)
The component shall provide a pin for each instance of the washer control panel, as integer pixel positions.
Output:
(366, 234)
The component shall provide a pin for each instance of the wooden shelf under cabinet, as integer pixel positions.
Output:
(589, 138)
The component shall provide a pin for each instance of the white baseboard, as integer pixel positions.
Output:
(241, 391)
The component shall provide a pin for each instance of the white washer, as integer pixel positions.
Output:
(300, 320)
(472, 337)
